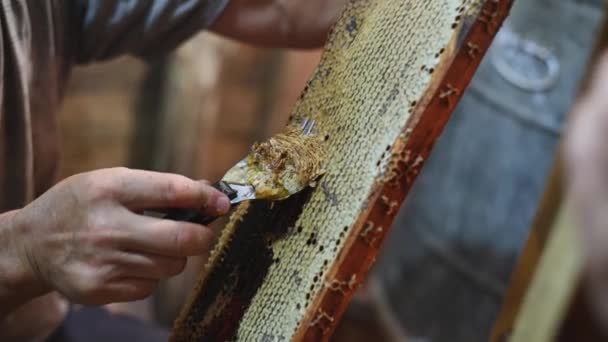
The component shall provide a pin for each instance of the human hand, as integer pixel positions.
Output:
(586, 152)
(85, 238)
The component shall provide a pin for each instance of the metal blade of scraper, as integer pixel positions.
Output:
(239, 173)
(234, 184)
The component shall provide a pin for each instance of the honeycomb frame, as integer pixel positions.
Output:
(391, 74)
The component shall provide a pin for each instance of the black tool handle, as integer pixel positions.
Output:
(194, 215)
(189, 215)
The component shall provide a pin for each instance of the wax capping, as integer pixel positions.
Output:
(284, 164)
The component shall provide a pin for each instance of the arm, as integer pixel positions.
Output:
(84, 238)
(279, 23)
(102, 29)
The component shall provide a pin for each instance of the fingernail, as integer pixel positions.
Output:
(222, 204)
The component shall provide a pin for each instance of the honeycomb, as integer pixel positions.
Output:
(384, 61)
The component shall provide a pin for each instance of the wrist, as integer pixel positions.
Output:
(18, 280)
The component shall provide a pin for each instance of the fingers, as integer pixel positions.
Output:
(127, 277)
(117, 276)
(149, 266)
(146, 189)
(138, 190)
(138, 278)
(126, 290)
(164, 237)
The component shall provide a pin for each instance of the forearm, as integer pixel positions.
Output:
(18, 284)
(279, 23)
